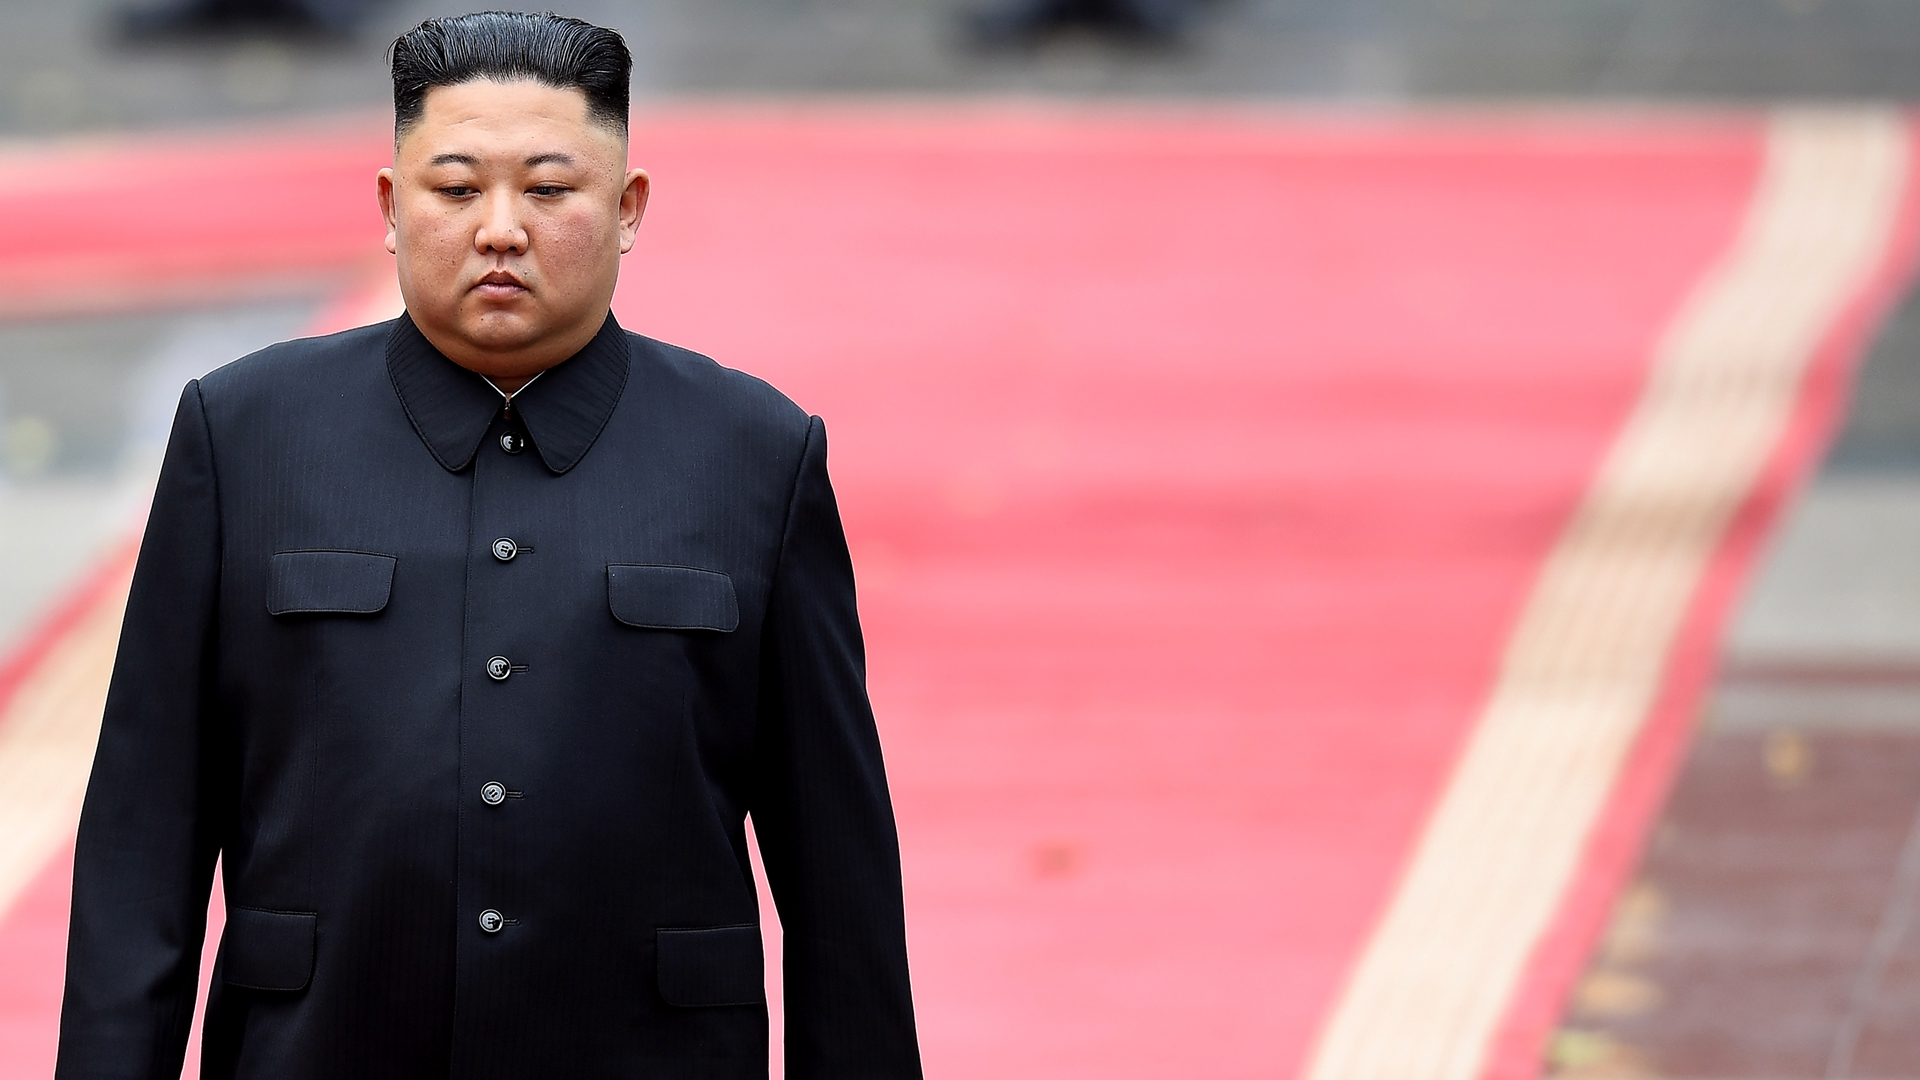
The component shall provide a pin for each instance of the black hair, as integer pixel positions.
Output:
(560, 52)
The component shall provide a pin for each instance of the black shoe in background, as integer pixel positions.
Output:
(1029, 22)
(191, 19)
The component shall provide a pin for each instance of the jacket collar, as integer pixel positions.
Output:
(563, 410)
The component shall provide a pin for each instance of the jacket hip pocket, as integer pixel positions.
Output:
(268, 950)
(719, 965)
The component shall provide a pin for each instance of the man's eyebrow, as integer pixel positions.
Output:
(454, 159)
(552, 157)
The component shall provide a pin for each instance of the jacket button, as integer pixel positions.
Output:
(505, 549)
(512, 442)
(491, 921)
(493, 793)
(499, 668)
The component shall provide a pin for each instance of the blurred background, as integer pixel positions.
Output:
(1762, 932)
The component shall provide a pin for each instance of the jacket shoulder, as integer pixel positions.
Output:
(301, 365)
(708, 385)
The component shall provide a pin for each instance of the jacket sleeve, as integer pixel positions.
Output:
(145, 855)
(821, 812)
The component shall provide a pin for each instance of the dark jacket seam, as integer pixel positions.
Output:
(786, 525)
(773, 587)
(213, 470)
(213, 834)
(210, 645)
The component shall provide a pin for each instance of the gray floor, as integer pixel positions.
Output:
(1830, 631)
(1830, 635)
(85, 405)
(1773, 930)
(60, 69)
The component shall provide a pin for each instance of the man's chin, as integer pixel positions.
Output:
(471, 333)
(497, 331)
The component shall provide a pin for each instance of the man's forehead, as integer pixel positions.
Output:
(492, 107)
(548, 157)
(491, 115)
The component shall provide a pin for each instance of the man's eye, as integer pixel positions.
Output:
(547, 189)
(458, 191)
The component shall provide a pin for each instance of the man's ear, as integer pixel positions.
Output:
(633, 206)
(383, 184)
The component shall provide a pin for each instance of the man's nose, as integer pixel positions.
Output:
(500, 228)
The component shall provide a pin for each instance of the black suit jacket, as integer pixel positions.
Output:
(472, 705)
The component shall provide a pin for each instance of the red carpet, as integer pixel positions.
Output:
(1197, 466)
(186, 218)
(1197, 470)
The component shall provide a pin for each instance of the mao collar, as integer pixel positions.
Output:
(563, 410)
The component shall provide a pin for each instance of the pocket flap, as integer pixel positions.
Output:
(267, 950)
(718, 965)
(329, 582)
(672, 598)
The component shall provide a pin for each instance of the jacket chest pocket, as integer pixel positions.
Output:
(672, 598)
(329, 582)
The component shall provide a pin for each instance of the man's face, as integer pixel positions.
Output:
(508, 208)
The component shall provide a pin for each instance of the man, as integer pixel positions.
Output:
(467, 641)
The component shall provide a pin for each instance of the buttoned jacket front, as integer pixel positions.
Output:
(472, 703)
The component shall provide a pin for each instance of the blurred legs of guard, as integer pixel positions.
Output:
(194, 18)
(1021, 21)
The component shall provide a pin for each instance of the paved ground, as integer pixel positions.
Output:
(59, 70)
(1772, 929)
(85, 406)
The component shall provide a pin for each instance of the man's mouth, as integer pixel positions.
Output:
(499, 284)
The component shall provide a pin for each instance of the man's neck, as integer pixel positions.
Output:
(506, 387)
(510, 372)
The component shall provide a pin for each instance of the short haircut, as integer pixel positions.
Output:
(554, 50)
